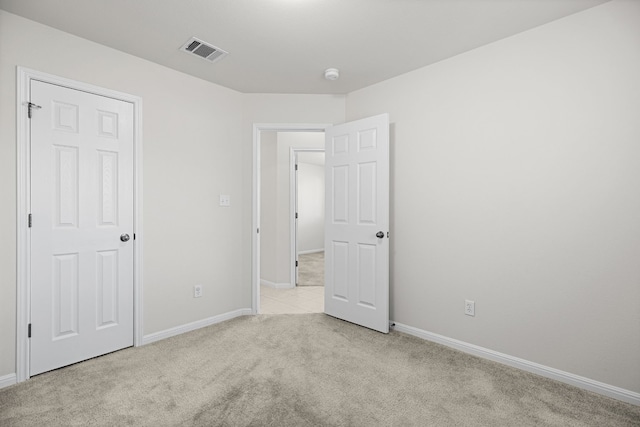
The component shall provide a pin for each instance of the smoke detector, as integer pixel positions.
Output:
(203, 50)
(331, 74)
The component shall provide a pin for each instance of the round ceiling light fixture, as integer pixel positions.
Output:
(331, 74)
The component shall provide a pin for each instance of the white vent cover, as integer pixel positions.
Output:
(203, 50)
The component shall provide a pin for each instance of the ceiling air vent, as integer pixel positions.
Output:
(203, 50)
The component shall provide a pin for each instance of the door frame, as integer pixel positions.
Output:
(23, 240)
(293, 195)
(255, 223)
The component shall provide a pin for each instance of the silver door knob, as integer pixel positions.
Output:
(124, 237)
(379, 234)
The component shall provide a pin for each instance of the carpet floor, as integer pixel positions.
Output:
(300, 370)
(311, 269)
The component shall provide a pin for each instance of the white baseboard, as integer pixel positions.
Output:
(310, 251)
(545, 371)
(7, 380)
(269, 284)
(157, 336)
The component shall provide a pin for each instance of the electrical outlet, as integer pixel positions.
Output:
(197, 291)
(469, 307)
(225, 200)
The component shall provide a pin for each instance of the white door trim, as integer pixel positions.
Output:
(23, 247)
(292, 206)
(255, 240)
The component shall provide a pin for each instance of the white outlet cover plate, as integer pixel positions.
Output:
(225, 200)
(469, 307)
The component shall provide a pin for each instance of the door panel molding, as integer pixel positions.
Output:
(23, 246)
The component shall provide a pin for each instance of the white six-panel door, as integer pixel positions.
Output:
(82, 203)
(357, 212)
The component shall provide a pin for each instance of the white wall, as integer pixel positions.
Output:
(515, 183)
(268, 206)
(197, 145)
(310, 206)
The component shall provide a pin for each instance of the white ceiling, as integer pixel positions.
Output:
(284, 46)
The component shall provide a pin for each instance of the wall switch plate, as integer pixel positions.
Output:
(469, 307)
(225, 200)
(197, 291)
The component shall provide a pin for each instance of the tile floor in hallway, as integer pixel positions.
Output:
(301, 299)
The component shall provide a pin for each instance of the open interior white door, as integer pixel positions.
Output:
(82, 231)
(357, 222)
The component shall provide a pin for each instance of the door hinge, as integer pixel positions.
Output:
(296, 263)
(258, 231)
(134, 236)
(387, 234)
(30, 107)
(30, 220)
(29, 331)
(296, 215)
(296, 166)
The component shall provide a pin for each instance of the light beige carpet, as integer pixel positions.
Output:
(311, 269)
(300, 370)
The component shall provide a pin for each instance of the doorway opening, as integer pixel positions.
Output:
(276, 148)
(356, 219)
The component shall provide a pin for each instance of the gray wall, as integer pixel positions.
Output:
(310, 206)
(516, 183)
